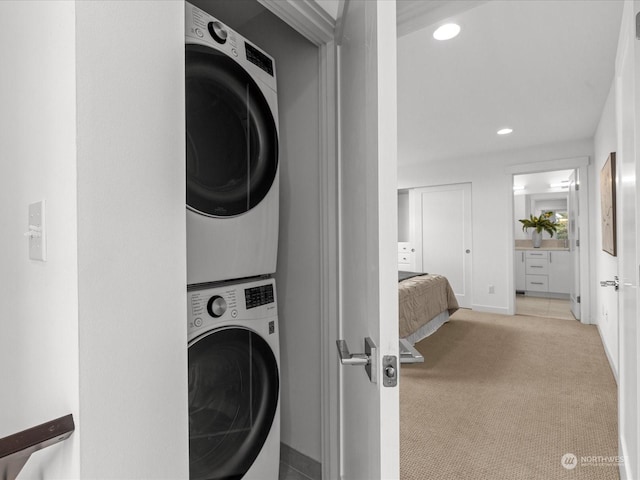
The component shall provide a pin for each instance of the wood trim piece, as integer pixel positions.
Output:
(16, 449)
(328, 177)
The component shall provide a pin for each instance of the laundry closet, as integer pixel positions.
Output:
(297, 272)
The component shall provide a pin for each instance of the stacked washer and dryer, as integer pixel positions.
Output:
(232, 243)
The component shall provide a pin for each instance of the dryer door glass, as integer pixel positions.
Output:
(233, 396)
(232, 141)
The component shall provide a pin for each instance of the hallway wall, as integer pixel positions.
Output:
(132, 239)
(605, 266)
(93, 122)
(39, 363)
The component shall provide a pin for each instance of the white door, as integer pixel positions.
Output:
(574, 243)
(368, 236)
(444, 236)
(628, 111)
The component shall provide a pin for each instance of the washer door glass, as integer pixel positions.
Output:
(233, 396)
(232, 141)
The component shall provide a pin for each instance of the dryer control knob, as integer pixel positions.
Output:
(216, 306)
(217, 31)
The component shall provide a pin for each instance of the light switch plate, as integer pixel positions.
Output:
(36, 232)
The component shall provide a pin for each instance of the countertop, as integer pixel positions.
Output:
(544, 249)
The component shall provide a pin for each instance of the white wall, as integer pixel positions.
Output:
(38, 301)
(131, 239)
(605, 300)
(491, 197)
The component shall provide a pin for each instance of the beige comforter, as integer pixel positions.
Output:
(423, 298)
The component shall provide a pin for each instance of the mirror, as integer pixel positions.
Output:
(537, 193)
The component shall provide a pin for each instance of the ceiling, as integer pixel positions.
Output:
(541, 67)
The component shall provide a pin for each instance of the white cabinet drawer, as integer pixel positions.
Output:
(405, 258)
(405, 247)
(537, 254)
(537, 266)
(537, 283)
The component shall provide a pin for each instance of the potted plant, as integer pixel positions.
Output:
(543, 222)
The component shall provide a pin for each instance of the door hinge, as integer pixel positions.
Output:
(638, 26)
(577, 243)
(577, 187)
(578, 299)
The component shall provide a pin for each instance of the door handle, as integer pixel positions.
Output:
(347, 358)
(408, 353)
(368, 359)
(615, 283)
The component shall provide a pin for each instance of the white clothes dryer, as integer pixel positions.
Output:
(232, 153)
(234, 383)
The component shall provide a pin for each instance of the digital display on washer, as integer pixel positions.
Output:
(258, 296)
(260, 59)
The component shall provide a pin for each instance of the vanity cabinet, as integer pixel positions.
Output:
(543, 271)
(560, 271)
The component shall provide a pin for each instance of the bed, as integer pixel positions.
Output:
(426, 302)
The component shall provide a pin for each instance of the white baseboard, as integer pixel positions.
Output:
(608, 354)
(490, 309)
(625, 474)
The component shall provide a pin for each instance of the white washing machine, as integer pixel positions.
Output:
(234, 383)
(232, 153)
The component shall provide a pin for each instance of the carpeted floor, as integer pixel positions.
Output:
(505, 398)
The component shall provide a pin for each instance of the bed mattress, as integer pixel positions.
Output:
(422, 298)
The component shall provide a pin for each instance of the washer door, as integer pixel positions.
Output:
(233, 396)
(232, 141)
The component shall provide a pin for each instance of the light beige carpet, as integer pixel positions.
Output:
(502, 397)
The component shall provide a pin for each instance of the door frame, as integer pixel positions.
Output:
(582, 165)
(312, 22)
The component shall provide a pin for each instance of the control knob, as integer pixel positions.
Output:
(218, 32)
(216, 306)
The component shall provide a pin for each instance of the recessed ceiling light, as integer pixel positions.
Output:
(505, 131)
(446, 31)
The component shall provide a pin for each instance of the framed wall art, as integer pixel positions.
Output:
(608, 204)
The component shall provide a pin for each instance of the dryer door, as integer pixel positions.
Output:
(233, 396)
(232, 141)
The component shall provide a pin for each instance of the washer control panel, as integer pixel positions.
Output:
(258, 296)
(242, 301)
